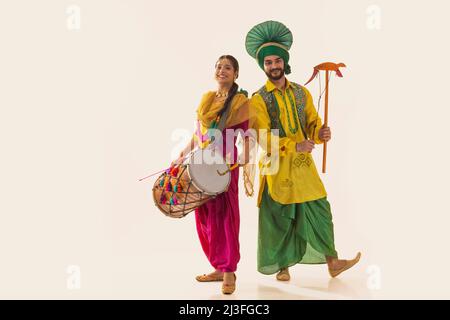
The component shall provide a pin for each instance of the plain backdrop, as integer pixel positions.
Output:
(92, 102)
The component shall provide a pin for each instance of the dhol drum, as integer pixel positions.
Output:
(182, 189)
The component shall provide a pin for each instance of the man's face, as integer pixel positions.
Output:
(274, 67)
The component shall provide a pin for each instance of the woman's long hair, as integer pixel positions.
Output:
(234, 87)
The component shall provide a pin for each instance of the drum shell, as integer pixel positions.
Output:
(190, 198)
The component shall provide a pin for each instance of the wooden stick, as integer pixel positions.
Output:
(231, 168)
(325, 123)
(328, 67)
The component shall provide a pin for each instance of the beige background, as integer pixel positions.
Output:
(85, 113)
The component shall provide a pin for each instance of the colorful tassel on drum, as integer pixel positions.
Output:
(178, 187)
(161, 183)
(163, 199)
(174, 171)
(174, 200)
(166, 182)
(169, 186)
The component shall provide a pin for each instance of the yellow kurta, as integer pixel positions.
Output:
(297, 179)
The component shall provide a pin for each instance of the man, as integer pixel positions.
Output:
(295, 221)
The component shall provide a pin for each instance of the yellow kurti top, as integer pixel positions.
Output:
(209, 108)
(297, 179)
(239, 117)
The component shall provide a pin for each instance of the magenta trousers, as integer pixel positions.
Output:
(218, 223)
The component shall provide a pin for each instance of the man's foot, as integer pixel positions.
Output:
(283, 275)
(229, 283)
(213, 276)
(336, 266)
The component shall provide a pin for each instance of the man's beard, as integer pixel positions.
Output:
(275, 78)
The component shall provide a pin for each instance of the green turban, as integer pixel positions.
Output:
(274, 50)
(269, 38)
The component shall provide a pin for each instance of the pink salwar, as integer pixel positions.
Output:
(218, 221)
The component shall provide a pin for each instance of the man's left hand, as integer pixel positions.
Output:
(325, 134)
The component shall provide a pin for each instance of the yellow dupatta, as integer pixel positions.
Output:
(207, 113)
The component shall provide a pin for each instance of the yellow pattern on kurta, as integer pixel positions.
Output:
(297, 179)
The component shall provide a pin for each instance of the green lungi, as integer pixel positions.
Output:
(293, 233)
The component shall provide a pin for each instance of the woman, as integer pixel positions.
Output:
(217, 220)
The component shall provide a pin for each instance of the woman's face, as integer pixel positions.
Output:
(225, 73)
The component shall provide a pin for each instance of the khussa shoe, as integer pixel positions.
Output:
(283, 275)
(208, 278)
(348, 265)
(229, 288)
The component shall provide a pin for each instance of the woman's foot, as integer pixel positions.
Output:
(229, 283)
(283, 275)
(337, 266)
(213, 276)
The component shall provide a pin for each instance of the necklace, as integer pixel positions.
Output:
(221, 94)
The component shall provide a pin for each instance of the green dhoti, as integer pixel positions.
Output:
(293, 233)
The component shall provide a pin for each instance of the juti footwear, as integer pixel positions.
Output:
(283, 275)
(229, 288)
(348, 264)
(208, 278)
